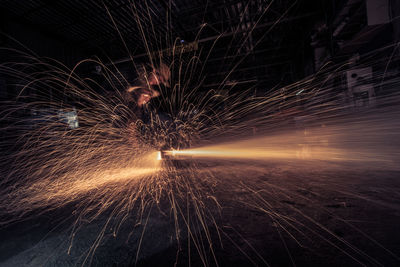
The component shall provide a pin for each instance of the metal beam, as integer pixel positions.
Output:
(215, 37)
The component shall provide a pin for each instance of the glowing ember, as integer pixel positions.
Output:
(159, 155)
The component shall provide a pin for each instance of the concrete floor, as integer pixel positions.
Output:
(277, 213)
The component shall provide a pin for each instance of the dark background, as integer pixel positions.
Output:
(288, 42)
(281, 48)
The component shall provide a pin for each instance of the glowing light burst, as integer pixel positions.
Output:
(317, 143)
(113, 160)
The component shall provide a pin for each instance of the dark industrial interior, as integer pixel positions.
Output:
(276, 123)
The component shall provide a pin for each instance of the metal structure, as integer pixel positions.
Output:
(253, 43)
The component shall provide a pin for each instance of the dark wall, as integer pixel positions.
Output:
(18, 35)
(40, 42)
(395, 15)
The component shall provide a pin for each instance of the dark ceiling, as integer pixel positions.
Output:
(260, 36)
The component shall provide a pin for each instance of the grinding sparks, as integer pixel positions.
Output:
(159, 155)
(318, 143)
(76, 186)
(114, 176)
(111, 165)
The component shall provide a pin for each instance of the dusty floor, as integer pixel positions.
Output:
(277, 213)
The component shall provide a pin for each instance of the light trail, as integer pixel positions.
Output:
(252, 153)
(354, 141)
(105, 165)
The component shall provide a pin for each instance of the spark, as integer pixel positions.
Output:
(318, 143)
(113, 160)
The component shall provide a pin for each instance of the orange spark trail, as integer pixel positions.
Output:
(356, 142)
